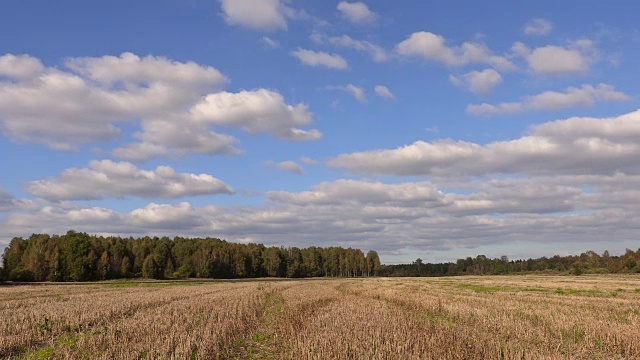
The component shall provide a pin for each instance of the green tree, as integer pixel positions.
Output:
(78, 249)
(150, 268)
(373, 263)
(104, 266)
(183, 272)
(274, 262)
(125, 269)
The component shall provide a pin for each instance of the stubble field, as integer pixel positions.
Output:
(502, 317)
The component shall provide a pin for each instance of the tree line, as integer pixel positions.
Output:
(588, 262)
(77, 256)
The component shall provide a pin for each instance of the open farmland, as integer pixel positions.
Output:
(503, 317)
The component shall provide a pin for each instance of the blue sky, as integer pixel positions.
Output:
(436, 129)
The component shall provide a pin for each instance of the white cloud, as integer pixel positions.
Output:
(357, 92)
(575, 146)
(576, 58)
(62, 109)
(106, 178)
(20, 66)
(320, 58)
(366, 214)
(479, 82)
(89, 99)
(309, 161)
(167, 137)
(433, 47)
(257, 111)
(586, 95)
(167, 216)
(270, 43)
(538, 27)
(364, 192)
(290, 166)
(263, 15)
(8, 202)
(135, 72)
(383, 91)
(357, 12)
(377, 53)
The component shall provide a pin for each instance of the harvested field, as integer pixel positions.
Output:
(501, 317)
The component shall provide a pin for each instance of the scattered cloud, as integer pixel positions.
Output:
(63, 109)
(383, 91)
(433, 47)
(320, 58)
(106, 178)
(480, 82)
(89, 100)
(365, 214)
(290, 166)
(377, 53)
(176, 137)
(309, 161)
(575, 146)
(357, 13)
(576, 58)
(270, 43)
(586, 95)
(8, 202)
(538, 26)
(263, 15)
(20, 66)
(357, 92)
(257, 111)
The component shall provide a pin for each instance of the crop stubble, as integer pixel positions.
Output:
(501, 317)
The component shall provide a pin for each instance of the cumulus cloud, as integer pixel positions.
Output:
(366, 214)
(320, 58)
(257, 111)
(106, 178)
(62, 109)
(538, 26)
(479, 82)
(176, 136)
(364, 192)
(8, 202)
(575, 146)
(290, 166)
(357, 12)
(89, 100)
(161, 219)
(309, 161)
(576, 58)
(586, 95)
(263, 15)
(383, 91)
(433, 47)
(166, 216)
(20, 66)
(376, 52)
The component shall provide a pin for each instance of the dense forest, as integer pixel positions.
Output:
(78, 256)
(589, 262)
